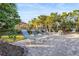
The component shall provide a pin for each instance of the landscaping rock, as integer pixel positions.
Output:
(7, 49)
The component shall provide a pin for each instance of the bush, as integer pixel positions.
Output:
(19, 37)
(4, 37)
(12, 38)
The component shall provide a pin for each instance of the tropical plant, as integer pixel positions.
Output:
(67, 21)
(8, 17)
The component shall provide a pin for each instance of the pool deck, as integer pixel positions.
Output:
(52, 45)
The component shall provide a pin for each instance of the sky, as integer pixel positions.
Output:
(28, 11)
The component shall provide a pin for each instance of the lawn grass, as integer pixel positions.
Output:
(6, 38)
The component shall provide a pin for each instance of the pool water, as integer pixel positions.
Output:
(25, 34)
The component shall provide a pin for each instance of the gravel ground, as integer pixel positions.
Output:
(58, 46)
